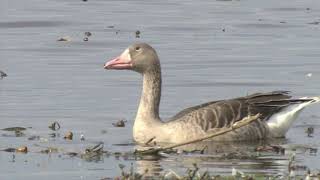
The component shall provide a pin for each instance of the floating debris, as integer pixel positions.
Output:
(14, 129)
(22, 149)
(313, 151)
(199, 151)
(110, 27)
(236, 173)
(55, 126)
(93, 153)
(88, 34)
(68, 136)
(2, 74)
(312, 176)
(198, 174)
(54, 135)
(19, 134)
(120, 123)
(9, 149)
(310, 131)
(117, 31)
(283, 22)
(309, 75)
(17, 131)
(238, 155)
(191, 173)
(138, 34)
(97, 148)
(84, 0)
(131, 174)
(223, 30)
(314, 23)
(291, 161)
(173, 175)
(49, 150)
(82, 137)
(72, 154)
(271, 148)
(117, 155)
(32, 138)
(65, 38)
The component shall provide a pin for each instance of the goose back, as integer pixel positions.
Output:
(221, 114)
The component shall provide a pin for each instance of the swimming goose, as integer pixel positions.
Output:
(278, 110)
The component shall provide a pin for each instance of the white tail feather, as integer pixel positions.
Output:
(280, 122)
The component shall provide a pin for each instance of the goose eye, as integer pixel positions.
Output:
(137, 48)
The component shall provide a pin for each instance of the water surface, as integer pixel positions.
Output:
(209, 50)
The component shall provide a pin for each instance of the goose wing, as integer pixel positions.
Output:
(224, 113)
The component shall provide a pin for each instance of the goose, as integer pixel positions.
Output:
(277, 109)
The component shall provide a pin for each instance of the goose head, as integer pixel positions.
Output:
(139, 57)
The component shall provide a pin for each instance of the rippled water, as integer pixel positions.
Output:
(209, 50)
